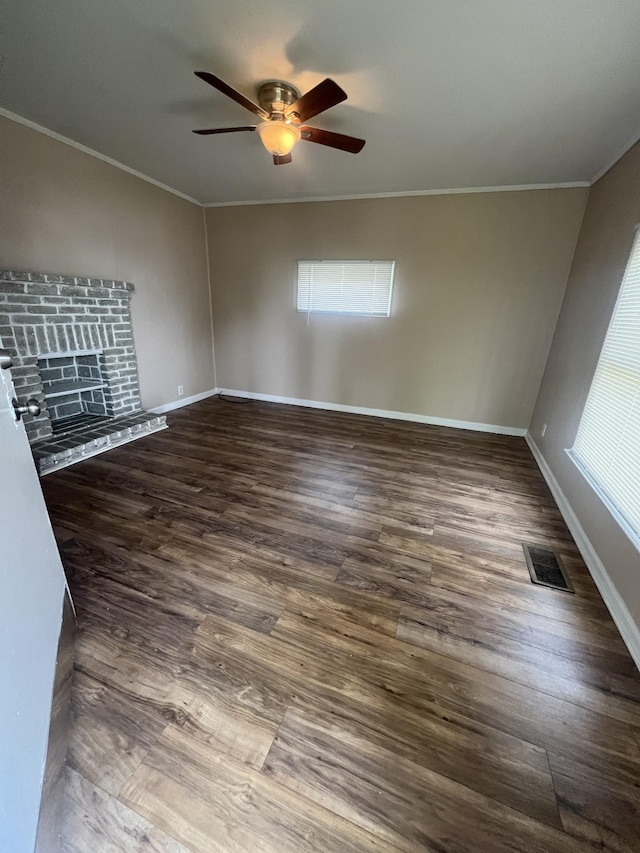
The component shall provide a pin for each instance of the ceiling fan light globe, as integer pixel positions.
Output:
(277, 137)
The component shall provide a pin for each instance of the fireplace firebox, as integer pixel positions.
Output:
(71, 341)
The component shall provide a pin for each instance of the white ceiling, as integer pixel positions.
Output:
(447, 93)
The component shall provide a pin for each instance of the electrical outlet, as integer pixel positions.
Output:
(543, 430)
(180, 390)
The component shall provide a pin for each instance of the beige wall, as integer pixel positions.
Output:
(601, 256)
(63, 211)
(479, 283)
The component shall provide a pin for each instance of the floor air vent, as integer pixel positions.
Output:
(545, 568)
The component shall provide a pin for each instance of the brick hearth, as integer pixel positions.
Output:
(71, 340)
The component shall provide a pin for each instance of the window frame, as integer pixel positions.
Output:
(602, 492)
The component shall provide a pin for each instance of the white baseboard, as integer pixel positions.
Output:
(377, 413)
(628, 628)
(183, 401)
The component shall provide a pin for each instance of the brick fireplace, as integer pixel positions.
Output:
(71, 340)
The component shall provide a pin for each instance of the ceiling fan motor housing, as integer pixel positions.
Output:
(275, 96)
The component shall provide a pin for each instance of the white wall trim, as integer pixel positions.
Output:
(64, 139)
(183, 401)
(618, 156)
(629, 630)
(399, 194)
(406, 193)
(354, 197)
(376, 413)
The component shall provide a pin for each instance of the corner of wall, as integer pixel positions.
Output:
(206, 251)
(564, 293)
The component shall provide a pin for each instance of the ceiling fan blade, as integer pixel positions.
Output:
(334, 140)
(323, 96)
(223, 130)
(281, 160)
(239, 98)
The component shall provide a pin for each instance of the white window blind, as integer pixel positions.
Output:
(345, 287)
(607, 445)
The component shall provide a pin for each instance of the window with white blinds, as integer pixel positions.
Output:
(607, 445)
(345, 287)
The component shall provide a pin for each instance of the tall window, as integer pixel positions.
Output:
(345, 287)
(607, 446)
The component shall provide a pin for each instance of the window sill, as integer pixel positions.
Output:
(617, 516)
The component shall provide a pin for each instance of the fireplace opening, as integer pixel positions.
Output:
(73, 386)
(72, 343)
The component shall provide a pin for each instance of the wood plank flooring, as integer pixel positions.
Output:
(310, 631)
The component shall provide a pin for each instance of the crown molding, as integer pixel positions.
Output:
(618, 156)
(77, 145)
(406, 194)
(307, 199)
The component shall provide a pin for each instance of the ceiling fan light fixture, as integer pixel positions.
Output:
(278, 137)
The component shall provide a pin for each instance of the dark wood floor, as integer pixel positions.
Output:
(307, 631)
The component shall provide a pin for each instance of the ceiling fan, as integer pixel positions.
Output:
(284, 112)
